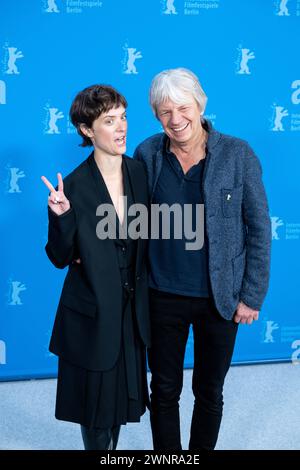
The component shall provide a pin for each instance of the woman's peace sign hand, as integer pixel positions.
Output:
(57, 200)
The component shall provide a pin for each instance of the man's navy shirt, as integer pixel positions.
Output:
(173, 268)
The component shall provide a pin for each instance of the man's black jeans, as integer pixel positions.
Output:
(214, 339)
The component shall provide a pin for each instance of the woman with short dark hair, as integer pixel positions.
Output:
(101, 327)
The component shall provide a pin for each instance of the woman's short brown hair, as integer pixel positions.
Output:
(90, 103)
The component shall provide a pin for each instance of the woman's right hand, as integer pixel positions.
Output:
(57, 200)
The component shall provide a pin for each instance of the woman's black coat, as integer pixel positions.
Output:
(87, 331)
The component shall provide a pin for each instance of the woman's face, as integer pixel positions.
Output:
(108, 132)
(181, 122)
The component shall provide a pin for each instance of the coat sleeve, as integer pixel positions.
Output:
(258, 240)
(61, 238)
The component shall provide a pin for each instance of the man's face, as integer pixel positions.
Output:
(181, 122)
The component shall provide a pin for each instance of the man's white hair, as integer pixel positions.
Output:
(177, 85)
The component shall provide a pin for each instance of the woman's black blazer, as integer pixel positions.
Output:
(87, 329)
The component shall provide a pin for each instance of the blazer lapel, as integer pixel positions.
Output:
(138, 192)
(102, 192)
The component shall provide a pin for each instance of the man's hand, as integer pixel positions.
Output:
(245, 314)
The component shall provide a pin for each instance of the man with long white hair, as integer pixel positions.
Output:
(213, 288)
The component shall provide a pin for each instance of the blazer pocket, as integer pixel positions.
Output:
(238, 264)
(232, 201)
(79, 305)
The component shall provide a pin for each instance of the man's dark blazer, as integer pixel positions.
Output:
(88, 326)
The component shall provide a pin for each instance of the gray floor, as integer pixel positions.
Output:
(262, 411)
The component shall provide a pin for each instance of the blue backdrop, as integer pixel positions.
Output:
(246, 54)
